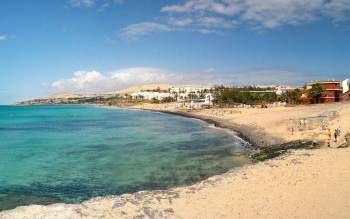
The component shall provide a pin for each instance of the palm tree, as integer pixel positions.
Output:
(291, 96)
(176, 95)
(316, 92)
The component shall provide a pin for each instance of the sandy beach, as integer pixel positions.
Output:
(299, 184)
(174, 109)
(264, 127)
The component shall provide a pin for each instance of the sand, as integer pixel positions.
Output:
(300, 184)
(273, 125)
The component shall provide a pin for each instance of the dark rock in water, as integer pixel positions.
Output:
(10, 202)
(276, 150)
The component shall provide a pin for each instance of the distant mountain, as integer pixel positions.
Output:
(139, 88)
(63, 96)
(98, 98)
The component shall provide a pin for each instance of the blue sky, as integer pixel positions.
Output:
(102, 45)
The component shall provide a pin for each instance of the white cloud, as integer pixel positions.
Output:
(273, 13)
(267, 13)
(181, 22)
(339, 10)
(3, 37)
(94, 81)
(81, 3)
(85, 81)
(203, 24)
(101, 4)
(215, 22)
(134, 31)
(194, 6)
(215, 16)
(142, 75)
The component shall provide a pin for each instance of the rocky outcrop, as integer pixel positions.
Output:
(277, 150)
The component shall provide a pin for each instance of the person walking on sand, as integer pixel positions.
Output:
(336, 134)
(329, 137)
(339, 131)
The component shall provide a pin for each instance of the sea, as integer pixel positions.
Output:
(72, 153)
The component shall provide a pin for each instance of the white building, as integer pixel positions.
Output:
(189, 89)
(151, 95)
(180, 94)
(200, 103)
(189, 92)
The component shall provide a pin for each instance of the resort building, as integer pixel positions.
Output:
(334, 91)
(188, 93)
(200, 103)
(190, 89)
(179, 94)
(151, 95)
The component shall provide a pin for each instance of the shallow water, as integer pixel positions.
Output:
(69, 154)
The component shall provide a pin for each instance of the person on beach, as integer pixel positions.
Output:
(336, 134)
(339, 131)
(329, 137)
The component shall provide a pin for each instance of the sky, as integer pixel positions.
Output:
(88, 46)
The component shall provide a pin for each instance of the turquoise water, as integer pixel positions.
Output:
(69, 154)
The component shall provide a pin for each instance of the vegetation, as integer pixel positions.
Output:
(292, 97)
(253, 96)
(155, 100)
(164, 100)
(315, 93)
(156, 90)
(245, 95)
(168, 100)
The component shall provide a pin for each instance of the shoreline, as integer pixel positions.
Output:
(254, 136)
(249, 134)
(171, 203)
(265, 146)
